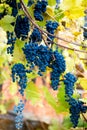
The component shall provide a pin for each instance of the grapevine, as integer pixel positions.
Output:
(40, 52)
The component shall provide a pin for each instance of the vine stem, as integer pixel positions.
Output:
(84, 117)
(47, 33)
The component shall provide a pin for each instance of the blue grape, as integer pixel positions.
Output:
(10, 41)
(85, 34)
(44, 5)
(37, 55)
(38, 15)
(22, 27)
(36, 35)
(58, 67)
(30, 2)
(40, 8)
(55, 83)
(30, 51)
(15, 6)
(69, 82)
(41, 56)
(12, 3)
(51, 27)
(19, 118)
(19, 74)
(59, 62)
(76, 107)
(41, 5)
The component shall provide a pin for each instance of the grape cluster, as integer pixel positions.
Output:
(19, 74)
(58, 66)
(51, 27)
(40, 8)
(10, 41)
(42, 56)
(15, 6)
(36, 36)
(19, 118)
(69, 82)
(22, 27)
(85, 34)
(37, 55)
(76, 107)
(30, 2)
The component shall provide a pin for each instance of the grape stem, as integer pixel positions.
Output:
(47, 33)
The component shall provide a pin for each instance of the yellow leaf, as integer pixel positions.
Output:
(75, 12)
(60, 28)
(73, 8)
(84, 3)
(50, 11)
(83, 82)
(76, 34)
(68, 4)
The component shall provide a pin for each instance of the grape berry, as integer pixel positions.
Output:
(19, 74)
(69, 82)
(22, 27)
(11, 39)
(19, 118)
(40, 8)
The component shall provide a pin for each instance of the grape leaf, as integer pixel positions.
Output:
(5, 23)
(18, 53)
(75, 12)
(30, 9)
(50, 99)
(51, 2)
(68, 4)
(83, 82)
(72, 8)
(84, 3)
(26, 1)
(32, 92)
(58, 14)
(61, 98)
(50, 11)
(32, 75)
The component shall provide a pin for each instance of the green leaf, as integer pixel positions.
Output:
(18, 52)
(32, 92)
(32, 75)
(58, 14)
(31, 10)
(61, 98)
(50, 99)
(26, 1)
(8, 19)
(54, 125)
(51, 2)
(18, 1)
(67, 123)
(41, 23)
(1, 8)
(5, 23)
